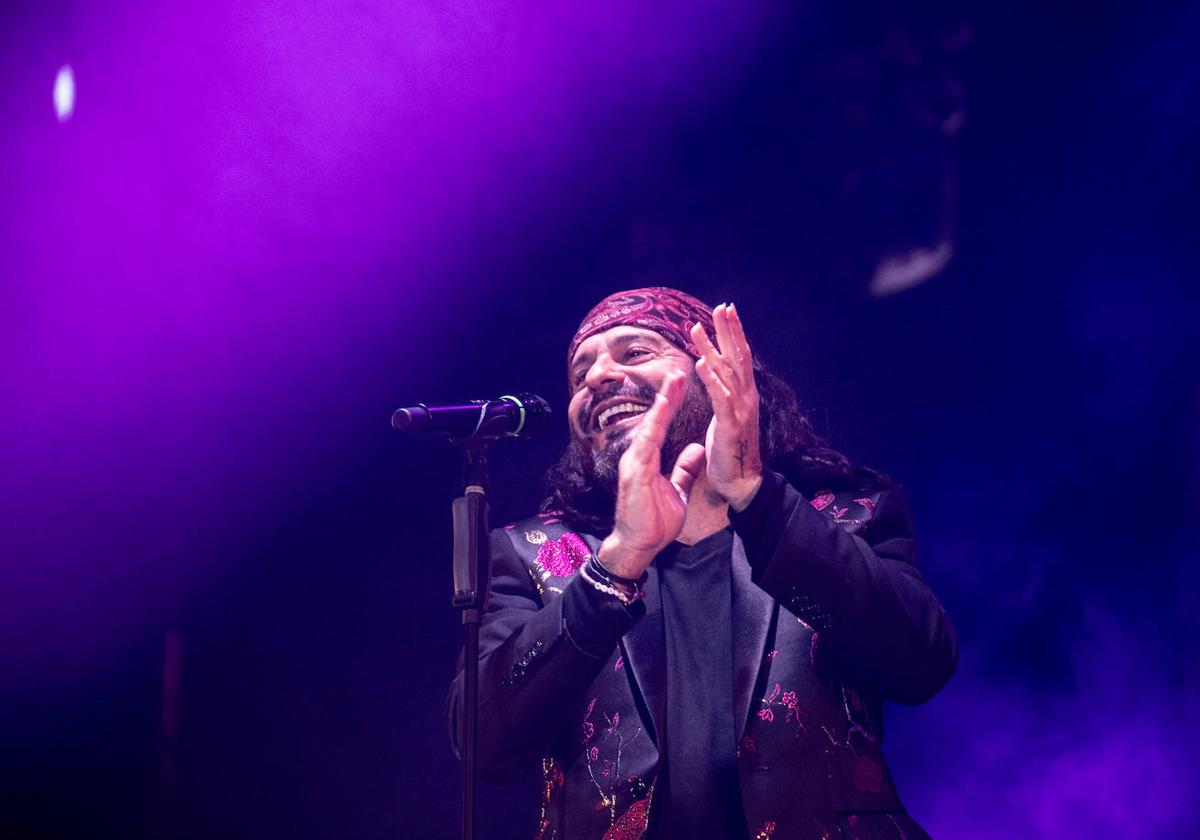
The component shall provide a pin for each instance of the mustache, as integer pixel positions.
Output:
(635, 390)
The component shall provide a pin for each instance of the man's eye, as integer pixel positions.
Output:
(634, 352)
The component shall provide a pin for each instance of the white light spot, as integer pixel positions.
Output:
(64, 93)
(898, 272)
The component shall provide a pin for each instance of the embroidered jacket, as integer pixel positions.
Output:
(830, 618)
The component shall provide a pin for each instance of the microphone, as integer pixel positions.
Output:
(512, 415)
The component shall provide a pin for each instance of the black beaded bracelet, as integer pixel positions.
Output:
(598, 570)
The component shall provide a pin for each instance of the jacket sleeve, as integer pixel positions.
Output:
(863, 594)
(535, 662)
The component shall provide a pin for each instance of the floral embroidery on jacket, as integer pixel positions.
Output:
(841, 514)
(563, 556)
(633, 823)
(603, 747)
(552, 780)
(788, 705)
(822, 500)
(855, 727)
(537, 584)
(850, 699)
(867, 503)
(589, 728)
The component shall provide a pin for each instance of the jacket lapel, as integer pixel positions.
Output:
(752, 612)
(644, 653)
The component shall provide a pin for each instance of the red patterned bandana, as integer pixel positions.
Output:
(669, 312)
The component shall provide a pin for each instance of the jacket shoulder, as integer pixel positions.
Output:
(550, 551)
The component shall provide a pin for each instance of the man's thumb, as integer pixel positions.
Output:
(688, 467)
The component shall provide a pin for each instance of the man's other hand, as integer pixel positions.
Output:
(731, 446)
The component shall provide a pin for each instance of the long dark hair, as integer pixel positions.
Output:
(790, 446)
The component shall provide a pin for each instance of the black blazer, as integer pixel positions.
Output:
(830, 615)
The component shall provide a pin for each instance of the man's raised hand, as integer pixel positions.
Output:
(732, 444)
(651, 508)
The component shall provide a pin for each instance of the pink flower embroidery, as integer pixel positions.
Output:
(594, 753)
(869, 504)
(561, 557)
(822, 500)
(790, 701)
(620, 663)
(589, 729)
(771, 656)
(747, 745)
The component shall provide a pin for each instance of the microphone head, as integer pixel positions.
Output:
(402, 419)
(536, 413)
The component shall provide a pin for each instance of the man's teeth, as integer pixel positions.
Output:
(612, 411)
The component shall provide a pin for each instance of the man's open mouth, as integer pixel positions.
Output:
(617, 412)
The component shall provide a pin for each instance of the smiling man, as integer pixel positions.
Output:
(697, 635)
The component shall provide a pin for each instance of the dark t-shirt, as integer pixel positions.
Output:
(697, 795)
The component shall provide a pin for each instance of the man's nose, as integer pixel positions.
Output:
(603, 372)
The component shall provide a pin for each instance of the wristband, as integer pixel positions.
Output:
(601, 572)
(601, 580)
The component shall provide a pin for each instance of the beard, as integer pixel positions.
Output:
(690, 425)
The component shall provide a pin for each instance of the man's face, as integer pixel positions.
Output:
(615, 376)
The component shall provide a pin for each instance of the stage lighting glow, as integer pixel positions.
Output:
(64, 93)
(898, 272)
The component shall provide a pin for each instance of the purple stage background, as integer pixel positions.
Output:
(965, 236)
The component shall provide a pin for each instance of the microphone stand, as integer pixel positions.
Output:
(473, 429)
(472, 557)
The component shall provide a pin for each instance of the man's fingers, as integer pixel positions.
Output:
(652, 431)
(725, 340)
(741, 345)
(718, 394)
(700, 336)
(688, 467)
(712, 357)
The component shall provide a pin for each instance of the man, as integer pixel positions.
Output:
(696, 638)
